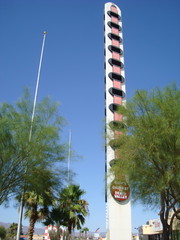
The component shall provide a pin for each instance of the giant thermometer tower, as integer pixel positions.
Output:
(118, 209)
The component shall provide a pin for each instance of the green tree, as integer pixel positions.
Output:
(39, 196)
(75, 208)
(2, 232)
(149, 150)
(70, 209)
(85, 230)
(37, 207)
(21, 155)
(12, 231)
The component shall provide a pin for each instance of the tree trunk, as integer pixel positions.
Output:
(69, 228)
(32, 219)
(164, 214)
(165, 234)
(31, 228)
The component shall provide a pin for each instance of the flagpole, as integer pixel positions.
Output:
(69, 156)
(30, 135)
(37, 85)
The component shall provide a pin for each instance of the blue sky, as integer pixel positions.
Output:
(72, 71)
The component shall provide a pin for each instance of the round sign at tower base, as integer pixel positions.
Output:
(120, 190)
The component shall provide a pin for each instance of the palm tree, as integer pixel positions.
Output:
(85, 230)
(38, 196)
(12, 231)
(37, 208)
(74, 208)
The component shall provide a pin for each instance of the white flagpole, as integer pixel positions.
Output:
(30, 134)
(37, 85)
(69, 156)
